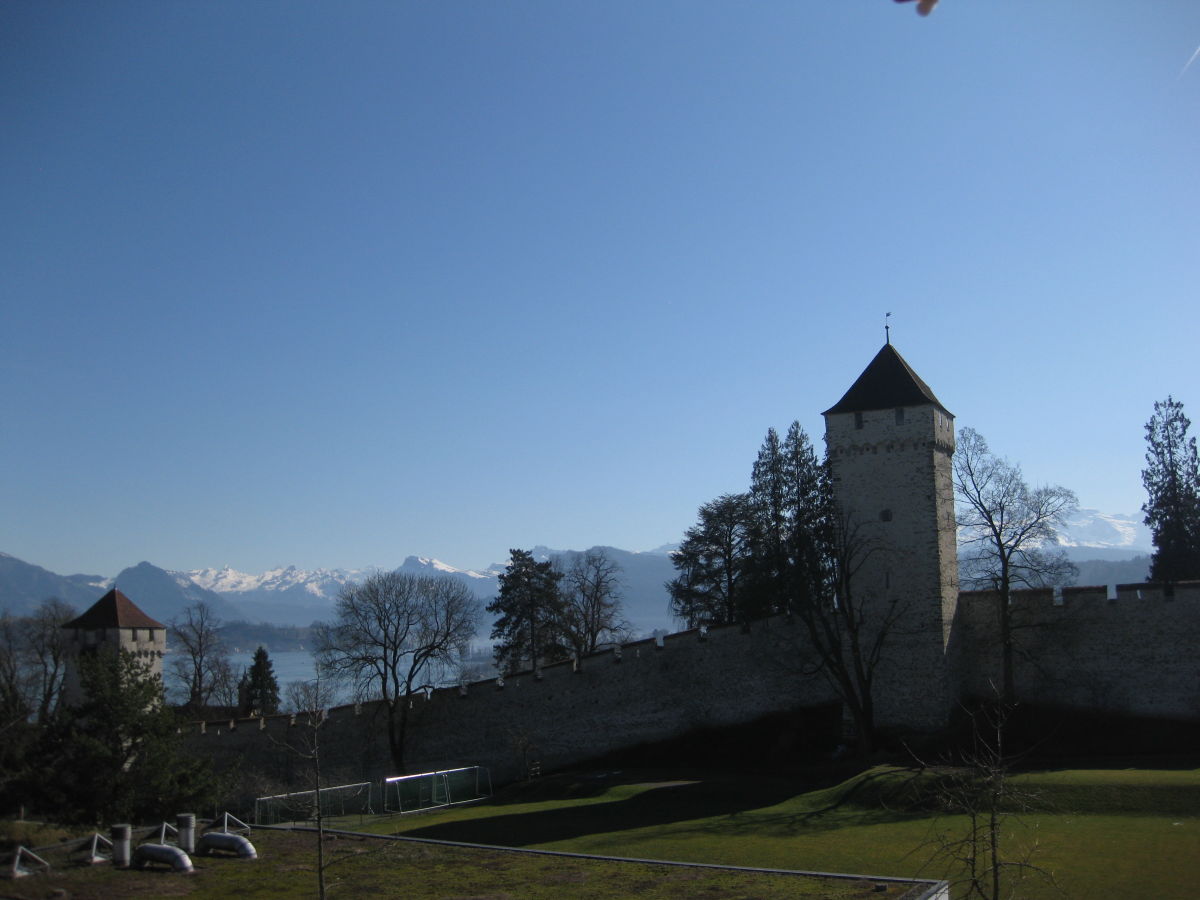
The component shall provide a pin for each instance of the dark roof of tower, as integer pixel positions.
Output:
(886, 382)
(114, 610)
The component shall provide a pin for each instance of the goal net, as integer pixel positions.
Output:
(301, 806)
(427, 790)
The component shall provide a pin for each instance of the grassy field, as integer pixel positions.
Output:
(1102, 832)
(369, 867)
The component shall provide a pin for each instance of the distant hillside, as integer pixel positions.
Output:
(1104, 547)
(643, 575)
(164, 595)
(643, 585)
(23, 586)
(1113, 571)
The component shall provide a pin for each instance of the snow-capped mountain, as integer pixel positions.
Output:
(288, 595)
(323, 583)
(1090, 528)
(431, 566)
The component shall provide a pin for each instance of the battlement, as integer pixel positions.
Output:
(1084, 596)
(1125, 651)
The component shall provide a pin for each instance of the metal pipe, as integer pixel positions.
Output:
(120, 845)
(161, 853)
(174, 857)
(185, 828)
(227, 841)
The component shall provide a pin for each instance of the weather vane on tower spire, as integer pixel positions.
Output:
(887, 329)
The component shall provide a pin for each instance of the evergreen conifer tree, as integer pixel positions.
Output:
(1172, 481)
(791, 536)
(716, 565)
(529, 607)
(258, 690)
(117, 755)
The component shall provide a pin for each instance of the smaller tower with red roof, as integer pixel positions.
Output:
(113, 622)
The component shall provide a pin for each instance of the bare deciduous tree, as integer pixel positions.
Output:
(392, 635)
(201, 661)
(309, 701)
(1010, 532)
(591, 610)
(46, 646)
(15, 706)
(847, 629)
(975, 789)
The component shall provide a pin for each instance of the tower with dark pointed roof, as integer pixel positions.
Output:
(113, 622)
(890, 443)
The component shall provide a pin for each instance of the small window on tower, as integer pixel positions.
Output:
(899, 415)
(858, 420)
(885, 515)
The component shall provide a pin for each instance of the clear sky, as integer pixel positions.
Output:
(328, 284)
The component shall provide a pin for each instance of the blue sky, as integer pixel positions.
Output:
(328, 284)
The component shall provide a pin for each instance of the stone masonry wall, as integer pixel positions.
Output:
(893, 484)
(645, 693)
(1134, 654)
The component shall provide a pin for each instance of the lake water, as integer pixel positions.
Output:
(289, 665)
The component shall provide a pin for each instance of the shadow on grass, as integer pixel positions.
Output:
(674, 802)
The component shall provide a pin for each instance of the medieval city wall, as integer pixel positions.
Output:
(1133, 654)
(647, 691)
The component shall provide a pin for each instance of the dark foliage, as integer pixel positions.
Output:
(1172, 481)
(258, 690)
(117, 756)
(529, 607)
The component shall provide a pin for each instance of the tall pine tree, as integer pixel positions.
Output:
(258, 690)
(716, 565)
(789, 494)
(1172, 481)
(529, 610)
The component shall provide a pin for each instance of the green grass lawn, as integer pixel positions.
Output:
(368, 867)
(1103, 833)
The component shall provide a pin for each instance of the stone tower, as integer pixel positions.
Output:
(890, 443)
(112, 622)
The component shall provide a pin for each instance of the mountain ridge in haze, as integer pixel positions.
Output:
(288, 595)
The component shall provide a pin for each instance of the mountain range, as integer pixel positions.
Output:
(1108, 548)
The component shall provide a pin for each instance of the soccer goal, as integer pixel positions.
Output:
(301, 806)
(427, 790)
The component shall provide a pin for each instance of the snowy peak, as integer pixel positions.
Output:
(324, 583)
(428, 563)
(1110, 531)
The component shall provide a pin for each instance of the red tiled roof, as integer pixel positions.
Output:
(114, 610)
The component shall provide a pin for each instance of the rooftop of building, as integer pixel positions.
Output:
(887, 382)
(114, 610)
